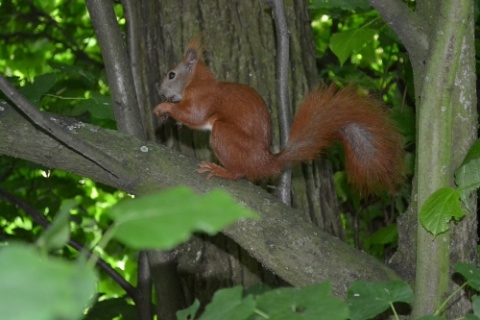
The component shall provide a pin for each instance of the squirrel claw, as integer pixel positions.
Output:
(214, 170)
(206, 167)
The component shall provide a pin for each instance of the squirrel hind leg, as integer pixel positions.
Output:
(215, 170)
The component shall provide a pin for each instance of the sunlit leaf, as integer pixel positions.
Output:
(58, 234)
(167, 218)
(41, 288)
(344, 44)
(439, 209)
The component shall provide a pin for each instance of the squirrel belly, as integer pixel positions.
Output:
(239, 120)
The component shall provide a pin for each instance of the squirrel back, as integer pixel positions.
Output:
(239, 121)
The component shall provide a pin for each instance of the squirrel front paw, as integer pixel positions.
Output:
(162, 111)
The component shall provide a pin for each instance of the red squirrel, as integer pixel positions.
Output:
(239, 121)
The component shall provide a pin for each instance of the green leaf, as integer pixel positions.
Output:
(42, 288)
(368, 299)
(312, 302)
(385, 235)
(471, 317)
(58, 234)
(99, 106)
(467, 176)
(167, 218)
(350, 5)
(346, 43)
(258, 289)
(439, 209)
(473, 153)
(476, 305)
(229, 304)
(470, 272)
(40, 86)
(404, 119)
(114, 308)
(190, 312)
(74, 70)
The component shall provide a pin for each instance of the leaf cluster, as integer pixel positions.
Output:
(49, 50)
(36, 32)
(49, 287)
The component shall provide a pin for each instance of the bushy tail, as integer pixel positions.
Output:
(373, 148)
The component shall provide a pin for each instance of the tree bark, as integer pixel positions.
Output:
(240, 46)
(442, 56)
(125, 106)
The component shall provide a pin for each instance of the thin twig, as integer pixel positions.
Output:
(284, 188)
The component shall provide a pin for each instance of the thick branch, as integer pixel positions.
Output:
(436, 146)
(282, 241)
(61, 133)
(117, 66)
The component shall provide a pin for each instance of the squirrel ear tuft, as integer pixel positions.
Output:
(194, 51)
(191, 58)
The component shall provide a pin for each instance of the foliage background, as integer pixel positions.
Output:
(48, 48)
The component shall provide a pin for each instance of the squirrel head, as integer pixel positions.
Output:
(173, 85)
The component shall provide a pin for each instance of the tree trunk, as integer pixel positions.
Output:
(441, 48)
(240, 46)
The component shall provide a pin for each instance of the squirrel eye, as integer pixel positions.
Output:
(171, 75)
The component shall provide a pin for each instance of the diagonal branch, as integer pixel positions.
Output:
(62, 134)
(282, 241)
